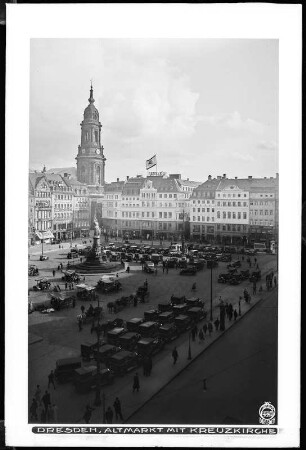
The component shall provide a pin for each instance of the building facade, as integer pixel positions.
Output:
(80, 207)
(90, 158)
(40, 205)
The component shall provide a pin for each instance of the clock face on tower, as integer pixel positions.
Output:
(98, 151)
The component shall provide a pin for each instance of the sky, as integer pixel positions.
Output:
(203, 106)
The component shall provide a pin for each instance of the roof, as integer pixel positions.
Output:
(165, 184)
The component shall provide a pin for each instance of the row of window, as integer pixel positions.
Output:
(262, 212)
(203, 209)
(43, 226)
(204, 219)
(62, 215)
(234, 204)
(43, 215)
(203, 202)
(262, 222)
(232, 195)
(43, 194)
(63, 206)
(232, 215)
(63, 197)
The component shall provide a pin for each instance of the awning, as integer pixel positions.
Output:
(45, 234)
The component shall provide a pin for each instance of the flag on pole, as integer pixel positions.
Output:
(151, 162)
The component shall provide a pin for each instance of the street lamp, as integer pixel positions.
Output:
(189, 348)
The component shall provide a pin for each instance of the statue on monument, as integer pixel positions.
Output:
(97, 230)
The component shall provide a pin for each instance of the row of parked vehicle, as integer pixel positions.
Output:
(234, 278)
(127, 345)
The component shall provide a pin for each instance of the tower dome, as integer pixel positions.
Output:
(91, 111)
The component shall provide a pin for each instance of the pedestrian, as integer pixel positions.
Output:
(84, 278)
(174, 355)
(135, 301)
(33, 410)
(230, 314)
(73, 302)
(88, 413)
(81, 259)
(201, 336)
(136, 384)
(46, 399)
(128, 269)
(194, 287)
(217, 323)
(109, 415)
(254, 288)
(38, 395)
(82, 309)
(235, 314)
(146, 284)
(210, 328)
(117, 408)
(257, 266)
(255, 259)
(58, 267)
(66, 286)
(80, 323)
(53, 271)
(117, 276)
(51, 378)
(205, 328)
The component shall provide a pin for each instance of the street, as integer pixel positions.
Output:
(54, 336)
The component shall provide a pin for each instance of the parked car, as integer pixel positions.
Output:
(122, 362)
(151, 315)
(128, 341)
(168, 332)
(149, 346)
(85, 378)
(133, 324)
(182, 323)
(65, 368)
(43, 258)
(148, 329)
(149, 267)
(166, 317)
(234, 264)
(114, 334)
(188, 271)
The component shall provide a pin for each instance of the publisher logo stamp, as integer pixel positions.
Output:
(267, 414)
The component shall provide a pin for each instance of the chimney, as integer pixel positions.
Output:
(67, 175)
(219, 177)
(127, 177)
(265, 178)
(209, 177)
(224, 175)
(117, 180)
(236, 178)
(250, 177)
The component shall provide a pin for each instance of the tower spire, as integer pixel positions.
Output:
(91, 99)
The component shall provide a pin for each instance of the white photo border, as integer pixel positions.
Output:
(224, 21)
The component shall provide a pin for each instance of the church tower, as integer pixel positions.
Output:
(90, 158)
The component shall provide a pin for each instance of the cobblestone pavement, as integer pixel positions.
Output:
(57, 336)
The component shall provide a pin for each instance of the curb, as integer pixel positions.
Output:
(193, 359)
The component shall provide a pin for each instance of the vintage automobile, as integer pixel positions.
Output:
(179, 309)
(128, 341)
(149, 346)
(188, 271)
(195, 301)
(149, 267)
(199, 264)
(72, 255)
(133, 324)
(165, 317)
(151, 315)
(33, 271)
(70, 276)
(224, 277)
(64, 370)
(108, 325)
(163, 307)
(42, 284)
(122, 362)
(235, 279)
(142, 292)
(168, 332)
(108, 284)
(234, 264)
(182, 264)
(85, 378)
(114, 334)
(196, 313)
(88, 349)
(43, 258)
(182, 323)
(148, 329)
(105, 352)
(61, 301)
(255, 276)
(177, 300)
(85, 292)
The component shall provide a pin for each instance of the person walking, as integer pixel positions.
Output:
(109, 415)
(135, 301)
(174, 355)
(53, 272)
(33, 410)
(217, 323)
(201, 336)
(136, 384)
(205, 328)
(80, 323)
(46, 399)
(117, 408)
(66, 286)
(38, 395)
(83, 309)
(235, 314)
(88, 413)
(210, 328)
(51, 378)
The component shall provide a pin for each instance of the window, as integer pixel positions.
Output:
(266, 212)
(261, 212)
(170, 215)
(271, 212)
(218, 214)
(199, 209)
(244, 203)
(244, 215)
(229, 203)
(229, 215)
(234, 215)
(239, 203)
(208, 209)
(239, 215)
(234, 203)
(165, 215)
(224, 215)
(203, 209)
